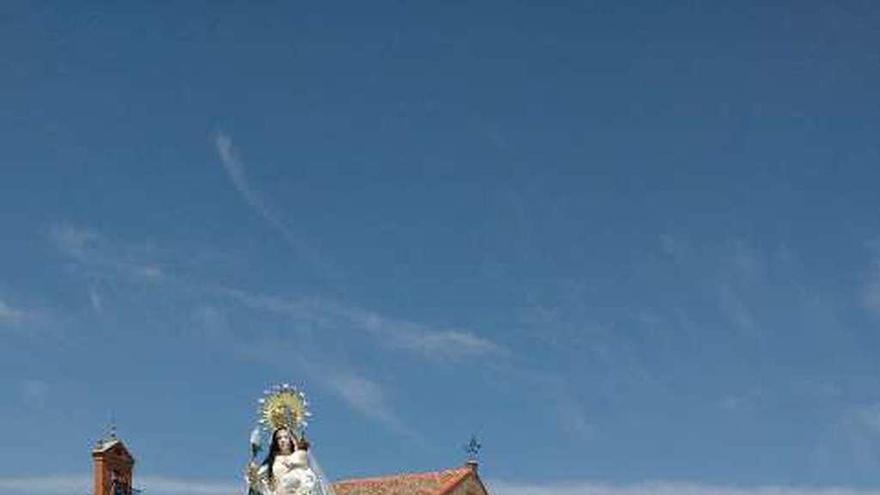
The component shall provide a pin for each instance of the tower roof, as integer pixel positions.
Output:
(112, 446)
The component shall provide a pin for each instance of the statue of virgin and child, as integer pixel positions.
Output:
(289, 468)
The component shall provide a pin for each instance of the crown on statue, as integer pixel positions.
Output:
(284, 406)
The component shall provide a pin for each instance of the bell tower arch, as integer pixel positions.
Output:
(113, 467)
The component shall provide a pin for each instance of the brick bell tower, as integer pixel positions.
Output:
(113, 467)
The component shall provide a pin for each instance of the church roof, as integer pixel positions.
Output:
(432, 483)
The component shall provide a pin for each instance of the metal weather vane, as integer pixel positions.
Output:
(472, 448)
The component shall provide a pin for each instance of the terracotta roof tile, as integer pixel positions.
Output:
(433, 483)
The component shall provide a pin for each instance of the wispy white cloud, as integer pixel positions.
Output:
(88, 248)
(12, 315)
(741, 401)
(361, 393)
(430, 342)
(46, 485)
(34, 392)
(747, 263)
(871, 291)
(96, 300)
(77, 242)
(158, 485)
(662, 488)
(364, 395)
(868, 417)
(735, 308)
(212, 322)
(741, 274)
(674, 247)
(94, 251)
(235, 170)
(859, 430)
(82, 484)
(573, 418)
(433, 343)
(308, 315)
(369, 398)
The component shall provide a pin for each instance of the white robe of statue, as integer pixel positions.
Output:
(291, 476)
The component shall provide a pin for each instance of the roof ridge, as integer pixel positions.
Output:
(451, 484)
(461, 471)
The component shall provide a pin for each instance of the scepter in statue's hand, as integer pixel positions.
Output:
(251, 471)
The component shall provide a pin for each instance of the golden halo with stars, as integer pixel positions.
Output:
(284, 406)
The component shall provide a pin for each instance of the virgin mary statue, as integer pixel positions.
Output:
(289, 468)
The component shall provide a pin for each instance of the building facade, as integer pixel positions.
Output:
(114, 475)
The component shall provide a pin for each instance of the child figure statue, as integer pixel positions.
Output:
(286, 470)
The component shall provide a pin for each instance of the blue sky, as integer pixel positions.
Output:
(622, 242)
